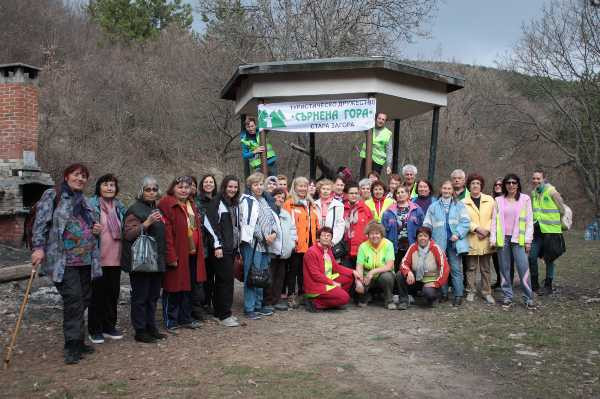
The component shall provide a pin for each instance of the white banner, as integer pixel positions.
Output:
(318, 116)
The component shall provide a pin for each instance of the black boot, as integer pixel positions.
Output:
(154, 333)
(548, 286)
(85, 349)
(72, 352)
(535, 286)
(145, 337)
(457, 301)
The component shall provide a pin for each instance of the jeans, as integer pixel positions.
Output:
(177, 306)
(522, 266)
(253, 296)
(456, 272)
(536, 247)
(76, 294)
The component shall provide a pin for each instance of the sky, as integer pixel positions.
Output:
(475, 32)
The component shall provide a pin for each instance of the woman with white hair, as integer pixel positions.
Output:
(143, 215)
(409, 172)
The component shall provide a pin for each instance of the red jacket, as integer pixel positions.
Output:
(177, 279)
(357, 218)
(315, 280)
(440, 260)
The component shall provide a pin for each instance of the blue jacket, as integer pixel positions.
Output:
(458, 220)
(389, 221)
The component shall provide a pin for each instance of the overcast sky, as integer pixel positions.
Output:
(468, 31)
(475, 31)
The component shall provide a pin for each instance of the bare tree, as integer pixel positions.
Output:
(558, 61)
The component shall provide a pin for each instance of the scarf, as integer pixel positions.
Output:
(80, 209)
(446, 202)
(324, 208)
(191, 225)
(112, 220)
(421, 266)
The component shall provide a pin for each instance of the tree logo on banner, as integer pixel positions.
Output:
(275, 120)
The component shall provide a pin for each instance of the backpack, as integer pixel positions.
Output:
(30, 219)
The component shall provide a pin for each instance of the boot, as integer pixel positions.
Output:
(72, 352)
(535, 285)
(548, 286)
(85, 349)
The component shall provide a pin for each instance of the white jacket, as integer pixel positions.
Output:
(285, 242)
(338, 225)
(248, 217)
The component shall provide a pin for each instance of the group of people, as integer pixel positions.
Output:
(322, 244)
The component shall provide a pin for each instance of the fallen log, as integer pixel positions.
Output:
(13, 273)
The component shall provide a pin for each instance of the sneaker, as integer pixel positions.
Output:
(396, 299)
(113, 334)
(144, 337)
(392, 306)
(470, 297)
(506, 304)
(292, 302)
(173, 330)
(530, 306)
(281, 306)
(252, 316)
(265, 311)
(96, 338)
(489, 299)
(193, 325)
(230, 322)
(402, 306)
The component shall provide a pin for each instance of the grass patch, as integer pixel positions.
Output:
(114, 388)
(551, 352)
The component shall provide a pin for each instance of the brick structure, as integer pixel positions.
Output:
(21, 180)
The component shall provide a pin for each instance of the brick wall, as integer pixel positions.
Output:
(18, 119)
(11, 230)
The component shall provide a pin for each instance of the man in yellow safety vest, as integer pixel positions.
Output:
(251, 149)
(382, 147)
(548, 242)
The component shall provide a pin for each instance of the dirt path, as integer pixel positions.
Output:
(354, 353)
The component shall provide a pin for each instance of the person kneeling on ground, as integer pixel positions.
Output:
(326, 283)
(424, 268)
(376, 260)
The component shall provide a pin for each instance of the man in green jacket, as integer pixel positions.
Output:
(382, 147)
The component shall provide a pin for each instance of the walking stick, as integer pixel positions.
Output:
(13, 339)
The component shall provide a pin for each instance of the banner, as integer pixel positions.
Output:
(318, 116)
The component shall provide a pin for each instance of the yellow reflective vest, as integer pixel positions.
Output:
(545, 211)
(381, 139)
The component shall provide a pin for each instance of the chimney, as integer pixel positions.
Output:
(21, 180)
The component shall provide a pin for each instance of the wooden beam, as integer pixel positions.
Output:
(369, 154)
(12, 273)
(263, 155)
(435, 122)
(313, 156)
(396, 146)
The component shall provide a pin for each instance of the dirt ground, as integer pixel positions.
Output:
(354, 353)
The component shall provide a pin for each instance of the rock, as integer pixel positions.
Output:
(516, 335)
(592, 300)
(593, 353)
(528, 353)
(339, 369)
(45, 295)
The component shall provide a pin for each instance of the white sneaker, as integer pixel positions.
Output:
(489, 299)
(411, 299)
(392, 306)
(230, 322)
(470, 297)
(396, 299)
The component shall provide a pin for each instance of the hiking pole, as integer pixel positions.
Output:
(13, 339)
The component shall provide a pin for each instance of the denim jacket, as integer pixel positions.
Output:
(48, 230)
(458, 220)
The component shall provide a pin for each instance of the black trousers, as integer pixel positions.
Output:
(197, 296)
(272, 295)
(75, 290)
(102, 314)
(429, 293)
(376, 167)
(295, 274)
(209, 285)
(145, 291)
(223, 289)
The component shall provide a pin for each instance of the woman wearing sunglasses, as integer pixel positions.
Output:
(512, 232)
(145, 287)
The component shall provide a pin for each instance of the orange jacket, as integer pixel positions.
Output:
(307, 223)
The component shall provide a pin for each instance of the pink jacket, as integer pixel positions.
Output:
(524, 201)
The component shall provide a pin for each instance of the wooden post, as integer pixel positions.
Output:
(244, 161)
(263, 155)
(433, 146)
(396, 146)
(313, 156)
(369, 153)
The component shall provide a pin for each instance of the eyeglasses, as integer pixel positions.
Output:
(511, 182)
(151, 189)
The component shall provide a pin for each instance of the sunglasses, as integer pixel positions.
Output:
(512, 182)
(498, 185)
(151, 189)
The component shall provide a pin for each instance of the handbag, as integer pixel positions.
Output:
(340, 250)
(144, 257)
(258, 277)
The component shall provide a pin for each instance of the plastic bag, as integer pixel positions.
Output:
(144, 257)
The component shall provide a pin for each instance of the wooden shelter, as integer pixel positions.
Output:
(401, 90)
